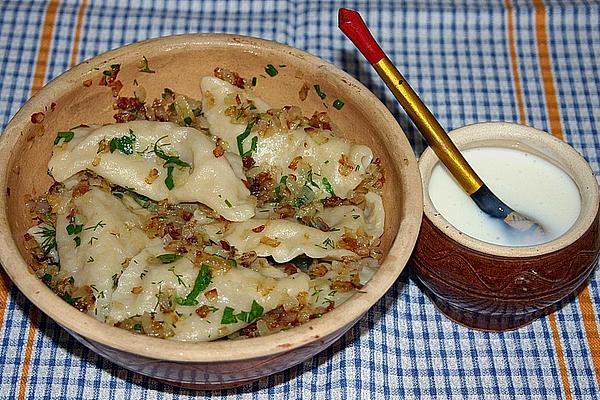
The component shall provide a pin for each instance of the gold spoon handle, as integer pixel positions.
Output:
(354, 27)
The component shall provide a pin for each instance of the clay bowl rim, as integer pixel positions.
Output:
(219, 351)
(527, 138)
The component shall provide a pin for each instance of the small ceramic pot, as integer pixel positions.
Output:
(493, 287)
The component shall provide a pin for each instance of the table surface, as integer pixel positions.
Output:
(532, 62)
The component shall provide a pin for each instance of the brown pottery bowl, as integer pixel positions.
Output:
(493, 287)
(180, 61)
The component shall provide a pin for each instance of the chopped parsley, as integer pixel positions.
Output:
(228, 203)
(75, 229)
(170, 162)
(125, 144)
(168, 258)
(69, 299)
(321, 93)
(187, 120)
(169, 179)
(202, 281)
(256, 311)
(64, 136)
(338, 104)
(271, 70)
(254, 81)
(228, 316)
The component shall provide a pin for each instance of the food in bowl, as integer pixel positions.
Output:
(202, 219)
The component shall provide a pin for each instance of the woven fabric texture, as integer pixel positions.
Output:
(528, 61)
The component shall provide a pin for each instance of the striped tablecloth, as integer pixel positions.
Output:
(531, 61)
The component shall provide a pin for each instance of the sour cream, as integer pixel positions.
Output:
(529, 184)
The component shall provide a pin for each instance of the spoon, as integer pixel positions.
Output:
(353, 26)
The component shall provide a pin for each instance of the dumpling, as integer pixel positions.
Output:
(96, 242)
(159, 160)
(338, 164)
(231, 291)
(215, 95)
(279, 238)
(371, 220)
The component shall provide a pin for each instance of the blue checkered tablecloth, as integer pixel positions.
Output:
(529, 61)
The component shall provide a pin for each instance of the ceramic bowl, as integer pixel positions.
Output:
(180, 61)
(492, 287)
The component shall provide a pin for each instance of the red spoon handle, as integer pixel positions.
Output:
(353, 26)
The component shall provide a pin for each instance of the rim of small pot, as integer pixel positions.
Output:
(218, 351)
(532, 140)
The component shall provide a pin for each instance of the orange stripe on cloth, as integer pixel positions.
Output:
(4, 288)
(560, 355)
(512, 48)
(585, 302)
(34, 320)
(591, 329)
(39, 77)
(41, 65)
(562, 364)
(80, 16)
(546, 69)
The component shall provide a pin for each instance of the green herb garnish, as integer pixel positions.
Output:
(71, 300)
(271, 70)
(169, 179)
(228, 316)
(47, 278)
(202, 281)
(321, 94)
(168, 258)
(187, 120)
(73, 228)
(170, 162)
(48, 234)
(338, 104)
(64, 136)
(125, 144)
(327, 185)
(100, 224)
(228, 203)
(329, 242)
(256, 310)
(254, 81)
(242, 136)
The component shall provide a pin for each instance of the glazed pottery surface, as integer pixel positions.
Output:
(492, 287)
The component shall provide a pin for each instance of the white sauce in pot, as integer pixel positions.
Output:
(529, 184)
